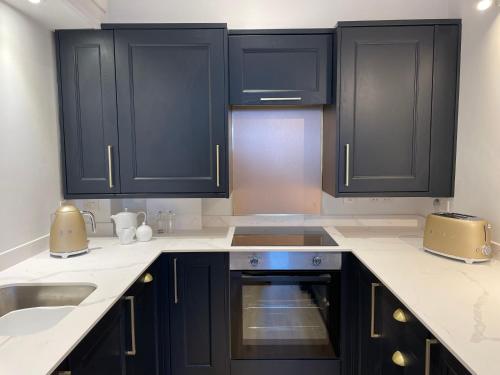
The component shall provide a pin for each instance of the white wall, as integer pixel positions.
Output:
(477, 188)
(29, 156)
(272, 13)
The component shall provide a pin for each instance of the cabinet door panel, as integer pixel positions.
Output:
(385, 108)
(446, 363)
(102, 351)
(88, 103)
(294, 67)
(171, 110)
(369, 348)
(142, 298)
(199, 318)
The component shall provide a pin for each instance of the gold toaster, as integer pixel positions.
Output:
(458, 236)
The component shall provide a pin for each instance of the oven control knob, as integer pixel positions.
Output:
(316, 261)
(254, 261)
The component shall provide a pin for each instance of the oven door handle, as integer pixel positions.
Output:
(287, 279)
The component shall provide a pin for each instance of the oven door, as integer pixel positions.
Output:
(285, 314)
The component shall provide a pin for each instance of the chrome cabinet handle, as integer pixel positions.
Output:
(131, 300)
(428, 343)
(217, 159)
(176, 296)
(347, 165)
(280, 99)
(373, 334)
(110, 167)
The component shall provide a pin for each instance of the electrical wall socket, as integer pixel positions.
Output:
(91, 205)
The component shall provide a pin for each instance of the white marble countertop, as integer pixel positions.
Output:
(458, 303)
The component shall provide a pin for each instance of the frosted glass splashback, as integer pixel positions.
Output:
(276, 166)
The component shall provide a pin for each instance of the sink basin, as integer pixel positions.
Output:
(22, 296)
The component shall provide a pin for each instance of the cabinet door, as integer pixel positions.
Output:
(369, 339)
(142, 330)
(447, 364)
(88, 111)
(102, 351)
(199, 314)
(172, 110)
(404, 339)
(280, 69)
(385, 108)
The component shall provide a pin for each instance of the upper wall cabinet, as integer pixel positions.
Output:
(280, 67)
(160, 127)
(396, 114)
(88, 112)
(171, 110)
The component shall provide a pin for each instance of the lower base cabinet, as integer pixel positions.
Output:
(126, 341)
(175, 321)
(142, 333)
(102, 351)
(391, 341)
(199, 313)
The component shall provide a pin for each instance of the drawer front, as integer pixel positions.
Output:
(280, 69)
(399, 320)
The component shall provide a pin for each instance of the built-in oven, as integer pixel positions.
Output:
(285, 311)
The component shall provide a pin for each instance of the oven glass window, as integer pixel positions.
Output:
(284, 317)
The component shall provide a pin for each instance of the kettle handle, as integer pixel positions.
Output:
(92, 219)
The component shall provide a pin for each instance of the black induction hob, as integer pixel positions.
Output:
(282, 236)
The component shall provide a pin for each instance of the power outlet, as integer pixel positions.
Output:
(91, 205)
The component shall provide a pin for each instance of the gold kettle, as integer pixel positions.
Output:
(68, 234)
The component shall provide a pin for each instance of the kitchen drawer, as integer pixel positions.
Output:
(411, 355)
(398, 319)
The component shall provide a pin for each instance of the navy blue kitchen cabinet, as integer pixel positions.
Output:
(280, 67)
(102, 351)
(390, 340)
(367, 350)
(143, 338)
(172, 112)
(144, 111)
(393, 130)
(128, 339)
(199, 314)
(89, 131)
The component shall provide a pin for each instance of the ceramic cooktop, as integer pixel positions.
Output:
(282, 236)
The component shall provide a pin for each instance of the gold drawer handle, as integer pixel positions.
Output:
(146, 278)
(399, 359)
(400, 316)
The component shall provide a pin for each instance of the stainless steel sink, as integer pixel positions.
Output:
(18, 297)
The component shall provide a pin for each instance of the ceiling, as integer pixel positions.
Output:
(64, 14)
